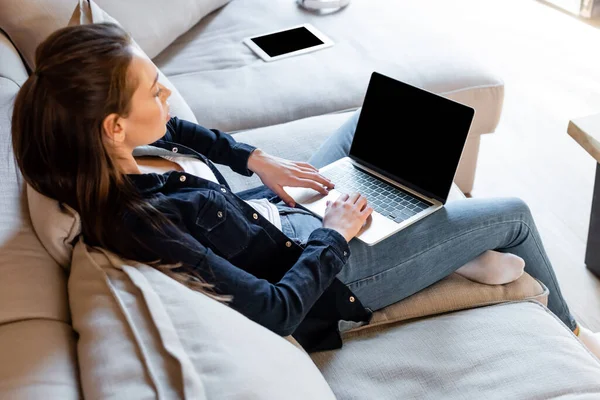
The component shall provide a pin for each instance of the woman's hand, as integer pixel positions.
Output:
(347, 214)
(276, 172)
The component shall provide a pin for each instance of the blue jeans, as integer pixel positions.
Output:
(434, 247)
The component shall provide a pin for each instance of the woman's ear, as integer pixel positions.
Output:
(113, 128)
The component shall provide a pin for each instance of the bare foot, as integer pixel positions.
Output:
(590, 339)
(493, 268)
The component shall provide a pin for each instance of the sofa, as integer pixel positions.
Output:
(86, 324)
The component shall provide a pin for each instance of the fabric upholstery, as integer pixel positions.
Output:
(57, 226)
(37, 343)
(39, 360)
(28, 23)
(144, 335)
(454, 293)
(510, 351)
(153, 23)
(32, 284)
(230, 88)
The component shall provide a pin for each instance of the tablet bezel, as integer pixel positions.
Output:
(327, 42)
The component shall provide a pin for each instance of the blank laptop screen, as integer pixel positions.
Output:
(411, 135)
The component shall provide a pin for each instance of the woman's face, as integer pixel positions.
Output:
(149, 114)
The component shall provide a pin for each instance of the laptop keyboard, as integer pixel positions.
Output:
(386, 199)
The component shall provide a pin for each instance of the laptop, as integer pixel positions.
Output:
(403, 157)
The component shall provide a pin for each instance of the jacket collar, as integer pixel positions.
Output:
(149, 183)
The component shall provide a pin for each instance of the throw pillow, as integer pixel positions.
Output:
(56, 224)
(155, 24)
(144, 335)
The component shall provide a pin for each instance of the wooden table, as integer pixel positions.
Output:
(586, 132)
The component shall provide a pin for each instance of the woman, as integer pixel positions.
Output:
(94, 98)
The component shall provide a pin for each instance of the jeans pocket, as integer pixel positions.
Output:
(286, 226)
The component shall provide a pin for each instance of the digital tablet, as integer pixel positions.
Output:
(292, 41)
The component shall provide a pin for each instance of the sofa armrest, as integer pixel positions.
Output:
(465, 174)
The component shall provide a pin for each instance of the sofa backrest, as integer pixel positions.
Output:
(35, 331)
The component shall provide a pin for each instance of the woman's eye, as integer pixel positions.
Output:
(158, 92)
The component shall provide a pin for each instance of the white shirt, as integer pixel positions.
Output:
(199, 168)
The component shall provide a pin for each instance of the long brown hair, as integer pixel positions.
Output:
(81, 77)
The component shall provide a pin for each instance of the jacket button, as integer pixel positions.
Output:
(182, 178)
(223, 190)
(352, 299)
(288, 244)
(255, 216)
(175, 149)
(220, 214)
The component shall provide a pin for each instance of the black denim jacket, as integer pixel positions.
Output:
(286, 287)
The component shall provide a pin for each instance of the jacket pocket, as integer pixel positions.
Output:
(222, 226)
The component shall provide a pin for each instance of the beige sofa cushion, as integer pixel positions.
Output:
(144, 335)
(511, 351)
(57, 226)
(39, 360)
(454, 293)
(37, 343)
(153, 23)
(32, 284)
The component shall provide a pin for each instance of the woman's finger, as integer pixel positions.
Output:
(306, 165)
(361, 203)
(315, 176)
(285, 197)
(307, 183)
(343, 197)
(306, 168)
(354, 197)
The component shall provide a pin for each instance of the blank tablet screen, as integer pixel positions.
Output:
(278, 43)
